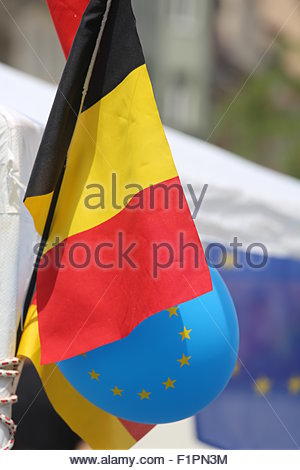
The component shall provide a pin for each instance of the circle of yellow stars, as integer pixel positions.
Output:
(169, 384)
(262, 385)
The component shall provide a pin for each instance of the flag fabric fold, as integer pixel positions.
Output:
(122, 244)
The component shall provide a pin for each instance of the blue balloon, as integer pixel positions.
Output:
(170, 366)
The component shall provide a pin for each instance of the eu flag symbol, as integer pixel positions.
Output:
(169, 367)
(260, 407)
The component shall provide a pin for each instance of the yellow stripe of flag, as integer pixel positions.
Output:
(120, 134)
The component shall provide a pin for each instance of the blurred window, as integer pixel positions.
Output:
(184, 9)
(184, 16)
(179, 102)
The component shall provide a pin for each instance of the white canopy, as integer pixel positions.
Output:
(19, 140)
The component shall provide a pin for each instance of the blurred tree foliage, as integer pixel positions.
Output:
(263, 125)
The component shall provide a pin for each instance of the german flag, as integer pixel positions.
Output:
(96, 427)
(105, 194)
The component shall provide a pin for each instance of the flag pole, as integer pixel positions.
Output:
(32, 283)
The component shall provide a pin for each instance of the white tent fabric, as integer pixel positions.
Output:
(25, 94)
(19, 139)
(243, 200)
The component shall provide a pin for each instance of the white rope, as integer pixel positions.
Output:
(9, 369)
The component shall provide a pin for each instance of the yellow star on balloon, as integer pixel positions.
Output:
(294, 385)
(173, 311)
(263, 385)
(184, 361)
(144, 395)
(169, 383)
(94, 375)
(116, 391)
(185, 334)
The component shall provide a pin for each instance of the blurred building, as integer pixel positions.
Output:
(238, 33)
(28, 40)
(192, 48)
(285, 17)
(246, 28)
(177, 36)
(177, 39)
(258, 57)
